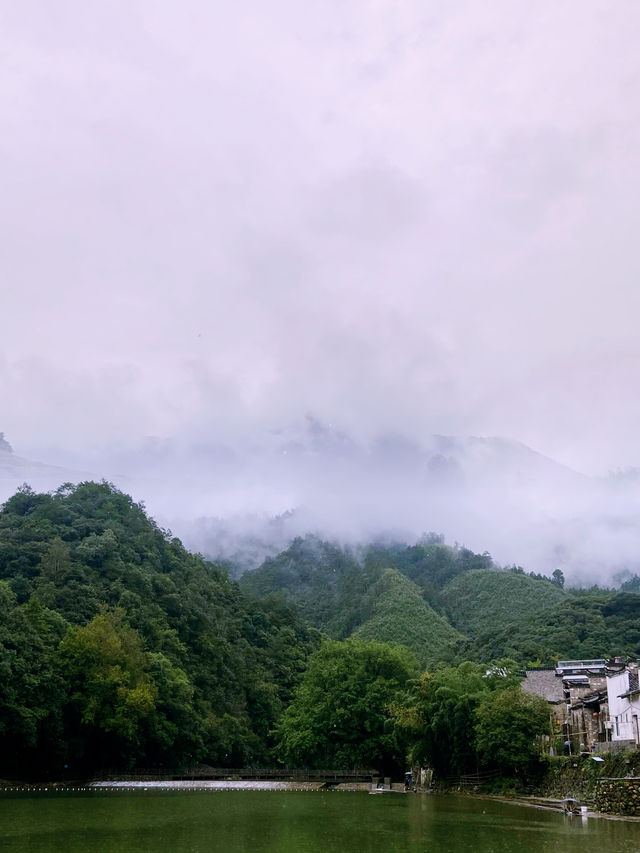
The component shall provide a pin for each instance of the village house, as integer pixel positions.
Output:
(624, 703)
(594, 704)
(577, 694)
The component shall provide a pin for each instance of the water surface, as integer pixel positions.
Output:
(294, 822)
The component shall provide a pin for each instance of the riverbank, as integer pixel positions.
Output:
(551, 804)
(608, 785)
(555, 805)
(231, 785)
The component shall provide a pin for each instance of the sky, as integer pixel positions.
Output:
(398, 216)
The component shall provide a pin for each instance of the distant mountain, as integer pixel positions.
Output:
(5, 447)
(433, 599)
(16, 470)
(446, 603)
(491, 494)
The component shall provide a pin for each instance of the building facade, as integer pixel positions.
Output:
(624, 704)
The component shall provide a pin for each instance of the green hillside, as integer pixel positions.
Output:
(399, 614)
(430, 563)
(447, 603)
(342, 597)
(585, 624)
(482, 600)
(120, 648)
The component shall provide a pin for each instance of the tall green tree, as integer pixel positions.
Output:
(506, 725)
(440, 717)
(341, 714)
(111, 692)
(31, 690)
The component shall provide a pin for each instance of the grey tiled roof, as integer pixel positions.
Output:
(545, 683)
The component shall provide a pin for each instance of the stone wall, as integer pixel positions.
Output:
(618, 796)
(580, 776)
(615, 746)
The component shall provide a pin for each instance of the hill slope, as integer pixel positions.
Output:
(326, 583)
(585, 624)
(399, 614)
(485, 598)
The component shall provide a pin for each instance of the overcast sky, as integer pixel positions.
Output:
(399, 215)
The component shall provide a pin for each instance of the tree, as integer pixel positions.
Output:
(506, 724)
(440, 716)
(110, 690)
(164, 662)
(341, 716)
(31, 692)
(558, 578)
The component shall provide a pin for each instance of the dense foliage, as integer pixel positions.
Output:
(430, 564)
(585, 624)
(507, 723)
(397, 613)
(479, 600)
(470, 716)
(327, 583)
(117, 646)
(341, 715)
(448, 604)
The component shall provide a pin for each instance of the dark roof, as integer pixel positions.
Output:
(543, 682)
(588, 701)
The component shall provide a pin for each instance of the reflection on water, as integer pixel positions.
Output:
(294, 822)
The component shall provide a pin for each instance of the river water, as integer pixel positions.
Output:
(102, 821)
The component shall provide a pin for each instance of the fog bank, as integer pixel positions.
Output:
(245, 502)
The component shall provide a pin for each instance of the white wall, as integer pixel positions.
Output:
(623, 710)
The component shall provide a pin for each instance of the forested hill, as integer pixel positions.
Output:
(344, 596)
(448, 604)
(118, 647)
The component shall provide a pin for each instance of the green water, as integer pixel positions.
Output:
(294, 822)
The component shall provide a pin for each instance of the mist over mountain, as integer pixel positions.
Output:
(245, 502)
(16, 470)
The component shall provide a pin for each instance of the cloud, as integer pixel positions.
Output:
(399, 216)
